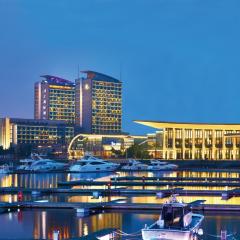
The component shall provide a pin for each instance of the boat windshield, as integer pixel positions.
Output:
(173, 216)
(96, 163)
(81, 163)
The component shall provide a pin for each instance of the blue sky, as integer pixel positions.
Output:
(179, 58)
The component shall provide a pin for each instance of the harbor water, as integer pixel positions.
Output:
(40, 224)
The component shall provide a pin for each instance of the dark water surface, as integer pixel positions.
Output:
(38, 224)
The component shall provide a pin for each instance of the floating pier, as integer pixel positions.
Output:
(160, 193)
(191, 179)
(145, 183)
(112, 205)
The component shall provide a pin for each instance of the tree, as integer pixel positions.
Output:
(6, 151)
(23, 150)
(117, 153)
(137, 151)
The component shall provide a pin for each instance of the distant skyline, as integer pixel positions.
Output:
(179, 60)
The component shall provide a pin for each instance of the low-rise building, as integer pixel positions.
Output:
(175, 140)
(101, 145)
(15, 131)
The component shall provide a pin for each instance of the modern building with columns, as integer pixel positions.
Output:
(175, 140)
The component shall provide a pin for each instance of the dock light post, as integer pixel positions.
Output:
(55, 235)
(20, 196)
(223, 235)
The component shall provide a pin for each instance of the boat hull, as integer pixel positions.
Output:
(167, 235)
(93, 169)
(134, 168)
(173, 234)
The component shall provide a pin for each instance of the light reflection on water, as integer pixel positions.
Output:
(46, 180)
(39, 224)
(59, 198)
(187, 199)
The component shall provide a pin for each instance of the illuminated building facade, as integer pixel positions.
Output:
(5, 133)
(36, 132)
(101, 145)
(54, 99)
(99, 103)
(194, 140)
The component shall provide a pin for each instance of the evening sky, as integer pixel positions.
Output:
(178, 59)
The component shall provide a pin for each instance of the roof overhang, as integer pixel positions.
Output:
(185, 125)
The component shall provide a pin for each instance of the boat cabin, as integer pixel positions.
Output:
(176, 216)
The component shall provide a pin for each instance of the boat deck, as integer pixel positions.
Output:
(196, 220)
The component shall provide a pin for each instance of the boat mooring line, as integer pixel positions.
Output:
(128, 234)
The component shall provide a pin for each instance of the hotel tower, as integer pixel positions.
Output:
(54, 99)
(99, 103)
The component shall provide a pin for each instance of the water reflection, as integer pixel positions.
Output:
(48, 180)
(59, 198)
(41, 224)
(187, 199)
(44, 180)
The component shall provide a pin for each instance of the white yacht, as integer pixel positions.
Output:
(175, 222)
(134, 165)
(46, 165)
(159, 165)
(4, 169)
(25, 164)
(92, 164)
(37, 163)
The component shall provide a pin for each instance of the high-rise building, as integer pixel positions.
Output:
(54, 99)
(99, 103)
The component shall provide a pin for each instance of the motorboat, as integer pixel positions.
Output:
(25, 164)
(47, 165)
(134, 165)
(37, 163)
(92, 164)
(176, 221)
(4, 169)
(159, 165)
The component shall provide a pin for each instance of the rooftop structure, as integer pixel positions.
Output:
(57, 80)
(100, 76)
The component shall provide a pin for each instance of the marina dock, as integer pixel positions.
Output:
(115, 205)
(144, 182)
(121, 191)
